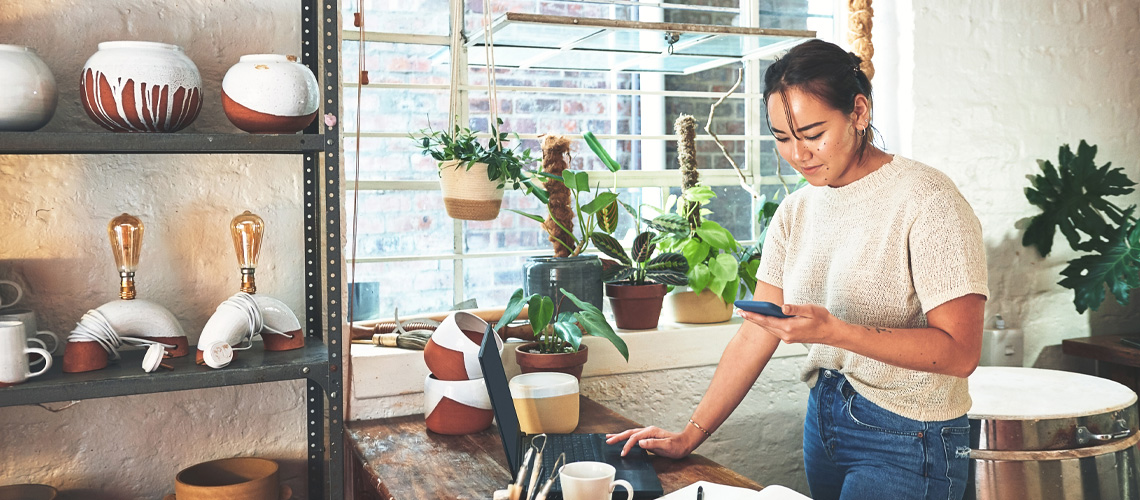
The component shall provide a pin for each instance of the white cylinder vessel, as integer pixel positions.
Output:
(28, 94)
(270, 94)
(141, 87)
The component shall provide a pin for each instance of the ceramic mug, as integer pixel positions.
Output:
(19, 293)
(13, 354)
(591, 481)
(46, 339)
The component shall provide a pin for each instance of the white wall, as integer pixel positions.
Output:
(996, 85)
(53, 228)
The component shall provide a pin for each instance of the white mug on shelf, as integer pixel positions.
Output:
(591, 481)
(46, 339)
(14, 352)
(14, 286)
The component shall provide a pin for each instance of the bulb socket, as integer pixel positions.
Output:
(248, 283)
(127, 286)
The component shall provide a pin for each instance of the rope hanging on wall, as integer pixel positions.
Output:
(859, 23)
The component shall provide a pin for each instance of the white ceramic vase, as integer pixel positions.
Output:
(270, 94)
(141, 87)
(28, 94)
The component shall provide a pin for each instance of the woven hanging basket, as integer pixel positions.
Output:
(467, 193)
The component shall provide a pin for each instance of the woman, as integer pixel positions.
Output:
(881, 262)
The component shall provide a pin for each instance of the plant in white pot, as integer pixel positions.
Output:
(558, 346)
(472, 176)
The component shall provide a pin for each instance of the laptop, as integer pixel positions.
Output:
(634, 467)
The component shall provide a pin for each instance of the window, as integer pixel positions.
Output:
(425, 261)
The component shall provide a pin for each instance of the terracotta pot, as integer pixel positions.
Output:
(569, 362)
(270, 94)
(467, 193)
(141, 87)
(244, 478)
(452, 351)
(28, 94)
(688, 307)
(636, 307)
(456, 407)
(27, 492)
(127, 318)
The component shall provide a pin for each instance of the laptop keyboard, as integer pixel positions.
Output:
(578, 448)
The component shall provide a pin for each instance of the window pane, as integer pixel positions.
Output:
(406, 16)
(414, 287)
(399, 223)
(394, 63)
(388, 158)
(732, 208)
(491, 281)
(510, 231)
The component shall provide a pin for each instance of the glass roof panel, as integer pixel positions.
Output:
(572, 60)
(674, 64)
(645, 41)
(537, 35)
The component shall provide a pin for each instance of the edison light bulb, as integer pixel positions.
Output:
(126, 233)
(246, 230)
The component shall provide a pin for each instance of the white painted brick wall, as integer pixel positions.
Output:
(996, 85)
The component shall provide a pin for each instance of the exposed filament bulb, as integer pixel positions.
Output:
(246, 230)
(125, 232)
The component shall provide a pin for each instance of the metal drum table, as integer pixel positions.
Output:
(1051, 435)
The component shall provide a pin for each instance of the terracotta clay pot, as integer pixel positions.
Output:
(28, 94)
(569, 362)
(636, 307)
(246, 478)
(467, 193)
(141, 87)
(452, 351)
(456, 407)
(270, 94)
(688, 307)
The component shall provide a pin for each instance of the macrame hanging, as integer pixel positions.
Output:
(859, 23)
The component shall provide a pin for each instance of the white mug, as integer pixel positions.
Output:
(19, 293)
(591, 481)
(46, 339)
(14, 352)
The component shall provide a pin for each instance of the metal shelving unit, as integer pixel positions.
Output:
(319, 362)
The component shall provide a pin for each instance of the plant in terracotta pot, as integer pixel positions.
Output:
(564, 193)
(559, 333)
(472, 176)
(637, 283)
(1072, 199)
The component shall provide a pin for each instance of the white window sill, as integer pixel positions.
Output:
(388, 381)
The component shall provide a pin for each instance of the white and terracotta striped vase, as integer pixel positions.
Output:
(467, 193)
(141, 87)
(270, 94)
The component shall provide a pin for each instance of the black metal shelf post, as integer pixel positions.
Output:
(319, 362)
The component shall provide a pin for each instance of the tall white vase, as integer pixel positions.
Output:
(141, 87)
(28, 94)
(270, 94)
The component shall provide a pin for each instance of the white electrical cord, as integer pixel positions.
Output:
(255, 323)
(94, 327)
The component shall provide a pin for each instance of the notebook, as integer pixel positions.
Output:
(634, 467)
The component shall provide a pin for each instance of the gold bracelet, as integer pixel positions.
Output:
(699, 428)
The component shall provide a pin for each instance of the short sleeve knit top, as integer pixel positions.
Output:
(881, 251)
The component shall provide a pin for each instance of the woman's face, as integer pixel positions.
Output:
(825, 145)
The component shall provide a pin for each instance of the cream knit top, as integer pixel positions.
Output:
(881, 251)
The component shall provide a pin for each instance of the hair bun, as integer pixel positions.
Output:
(855, 59)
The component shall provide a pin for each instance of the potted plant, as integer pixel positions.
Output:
(563, 192)
(473, 177)
(559, 334)
(1071, 197)
(636, 283)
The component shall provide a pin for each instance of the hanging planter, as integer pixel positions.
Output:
(467, 192)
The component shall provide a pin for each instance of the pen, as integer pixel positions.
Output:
(700, 493)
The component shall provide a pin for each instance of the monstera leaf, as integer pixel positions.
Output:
(1118, 267)
(1071, 198)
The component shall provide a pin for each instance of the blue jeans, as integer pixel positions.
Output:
(856, 450)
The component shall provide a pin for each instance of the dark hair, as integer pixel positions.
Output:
(824, 70)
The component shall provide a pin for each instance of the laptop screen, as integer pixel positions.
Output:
(496, 379)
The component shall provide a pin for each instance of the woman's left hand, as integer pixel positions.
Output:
(811, 324)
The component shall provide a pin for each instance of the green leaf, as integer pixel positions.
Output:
(1117, 267)
(537, 218)
(695, 251)
(700, 193)
(540, 311)
(670, 223)
(568, 331)
(599, 202)
(514, 307)
(668, 269)
(667, 277)
(728, 294)
(716, 235)
(610, 246)
(608, 217)
(724, 267)
(602, 154)
(643, 247)
(699, 277)
(595, 324)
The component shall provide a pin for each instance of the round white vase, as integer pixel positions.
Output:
(141, 87)
(270, 94)
(28, 94)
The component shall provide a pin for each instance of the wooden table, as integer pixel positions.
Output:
(397, 458)
(1114, 361)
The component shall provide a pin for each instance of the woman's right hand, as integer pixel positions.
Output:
(654, 439)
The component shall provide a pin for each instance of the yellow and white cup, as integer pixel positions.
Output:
(546, 402)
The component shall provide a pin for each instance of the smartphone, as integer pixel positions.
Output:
(1133, 342)
(761, 307)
